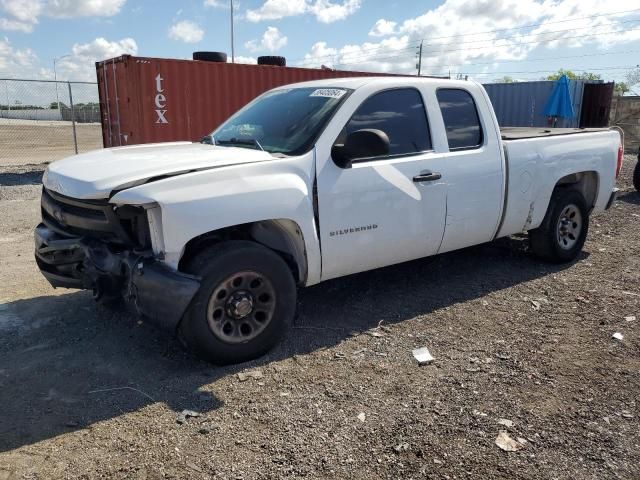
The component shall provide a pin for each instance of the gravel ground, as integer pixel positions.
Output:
(36, 141)
(520, 346)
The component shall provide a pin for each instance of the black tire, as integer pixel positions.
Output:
(217, 265)
(636, 176)
(220, 57)
(550, 241)
(272, 60)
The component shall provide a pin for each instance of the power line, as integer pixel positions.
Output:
(542, 33)
(511, 44)
(544, 59)
(537, 24)
(515, 44)
(416, 42)
(529, 72)
(596, 69)
(366, 60)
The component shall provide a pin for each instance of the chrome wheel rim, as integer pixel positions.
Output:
(241, 307)
(569, 227)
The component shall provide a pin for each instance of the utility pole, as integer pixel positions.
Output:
(419, 66)
(55, 78)
(233, 59)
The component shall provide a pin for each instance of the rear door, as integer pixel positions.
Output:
(474, 168)
(382, 210)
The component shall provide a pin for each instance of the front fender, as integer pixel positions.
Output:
(201, 202)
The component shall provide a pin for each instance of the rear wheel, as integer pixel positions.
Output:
(245, 304)
(563, 231)
(636, 175)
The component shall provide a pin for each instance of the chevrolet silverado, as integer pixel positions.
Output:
(310, 182)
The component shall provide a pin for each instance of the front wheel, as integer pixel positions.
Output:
(245, 303)
(563, 231)
(636, 175)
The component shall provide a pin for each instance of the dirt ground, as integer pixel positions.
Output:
(35, 141)
(85, 393)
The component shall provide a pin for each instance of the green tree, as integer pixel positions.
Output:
(633, 76)
(574, 76)
(505, 79)
(53, 105)
(621, 88)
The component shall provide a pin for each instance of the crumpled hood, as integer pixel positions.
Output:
(94, 175)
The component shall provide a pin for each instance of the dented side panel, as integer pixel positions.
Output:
(536, 165)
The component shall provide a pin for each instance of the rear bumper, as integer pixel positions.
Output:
(156, 291)
(612, 198)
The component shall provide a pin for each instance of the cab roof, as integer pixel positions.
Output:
(358, 82)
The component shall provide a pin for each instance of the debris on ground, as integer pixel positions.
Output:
(402, 447)
(507, 423)
(376, 333)
(184, 415)
(422, 355)
(506, 443)
(630, 318)
(255, 374)
(558, 374)
(362, 417)
(618, 336)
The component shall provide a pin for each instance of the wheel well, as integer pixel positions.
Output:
(283, 236)
(584, 182)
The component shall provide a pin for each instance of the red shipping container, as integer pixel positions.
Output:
(145, 100)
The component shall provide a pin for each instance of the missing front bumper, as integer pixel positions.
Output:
(157, 292)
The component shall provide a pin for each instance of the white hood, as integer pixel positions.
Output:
(94, 175)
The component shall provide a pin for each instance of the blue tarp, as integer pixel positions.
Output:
(560, 103)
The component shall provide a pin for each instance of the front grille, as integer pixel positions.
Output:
(71, 217)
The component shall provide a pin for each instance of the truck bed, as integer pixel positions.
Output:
(520, 133)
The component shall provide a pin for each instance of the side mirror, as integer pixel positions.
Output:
(364, 143)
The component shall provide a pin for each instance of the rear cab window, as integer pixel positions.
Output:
(461, 119)
(400, 113)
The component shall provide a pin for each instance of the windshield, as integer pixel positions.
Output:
(286, 121)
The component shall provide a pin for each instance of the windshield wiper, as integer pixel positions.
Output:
(239, 141)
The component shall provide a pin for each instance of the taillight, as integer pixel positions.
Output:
(620, 157)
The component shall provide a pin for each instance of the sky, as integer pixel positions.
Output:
(484, 39)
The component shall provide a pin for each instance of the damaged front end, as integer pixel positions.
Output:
(92, 244)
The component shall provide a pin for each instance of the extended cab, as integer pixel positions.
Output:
(307, 183)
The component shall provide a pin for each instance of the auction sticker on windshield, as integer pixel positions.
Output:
(328, 92)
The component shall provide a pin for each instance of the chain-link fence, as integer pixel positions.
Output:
(43, 120)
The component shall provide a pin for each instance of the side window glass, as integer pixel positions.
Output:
(399, 113)
(460, 118)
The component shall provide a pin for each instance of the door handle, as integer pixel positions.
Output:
(427, 176)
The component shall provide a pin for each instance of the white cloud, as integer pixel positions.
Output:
(186, 31)
(449, 41)
(325, 11)
(216, 3)
(22, 10)
(242, 59)
(272, 40)
(14, 61)
(15, 25)
(81, 64)
(83, 8)
(328, 12)
(22, 15)
(382, 28)
(276, 9)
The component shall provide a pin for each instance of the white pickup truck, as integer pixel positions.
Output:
(307, 183)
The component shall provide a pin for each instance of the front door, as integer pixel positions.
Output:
(383, 210)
